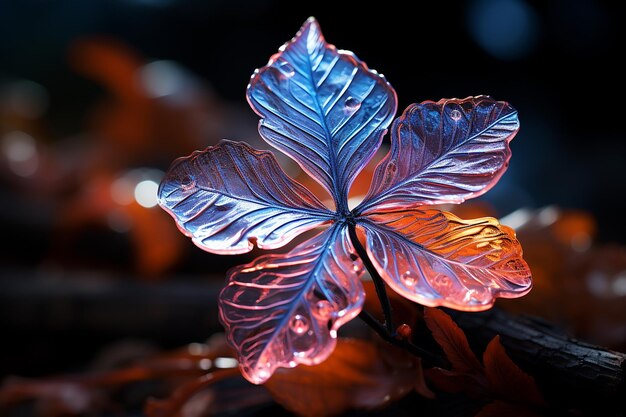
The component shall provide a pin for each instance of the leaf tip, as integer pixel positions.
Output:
(310, 33)
(311, 24)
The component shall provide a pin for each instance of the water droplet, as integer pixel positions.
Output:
(455, 115)
(441, 281)
(352, 104)
(188, 182)
(404, 331)
(408, 279)
(286, 69)
(324, 309)
(299, 324)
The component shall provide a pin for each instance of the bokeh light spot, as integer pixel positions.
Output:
(506, 29)
(20, 150)
(161, 78)
(226, 363)
(18, 146)
(146, 193)
(619, 284)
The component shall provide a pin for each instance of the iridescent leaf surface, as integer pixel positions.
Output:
(443, 152)
(323, 107)
(282, 310)
(230, 195)
(436, 259)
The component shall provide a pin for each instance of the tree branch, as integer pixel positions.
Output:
(569, 372)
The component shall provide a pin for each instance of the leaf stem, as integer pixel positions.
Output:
(429, 359)
(386, 331)
(379, 284)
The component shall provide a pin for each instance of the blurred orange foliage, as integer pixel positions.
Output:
(497, 380)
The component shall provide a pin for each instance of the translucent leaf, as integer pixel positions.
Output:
(323, 107)
(230, 195)
(443, 152)
(282, 310)
(437, 259)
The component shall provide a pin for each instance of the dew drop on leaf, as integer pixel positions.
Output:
(441, 281)
(188, 182)
(263, 374)
(352, 104)
(455, 115)
(299, 324)
(324, 309)
(408, 279)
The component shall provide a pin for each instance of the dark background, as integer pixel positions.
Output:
(556, 62)
(560, 70)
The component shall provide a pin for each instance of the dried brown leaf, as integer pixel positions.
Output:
(452, 340)
(359, 374)
(506, 380)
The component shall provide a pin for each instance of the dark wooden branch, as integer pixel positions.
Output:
(570, 372)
